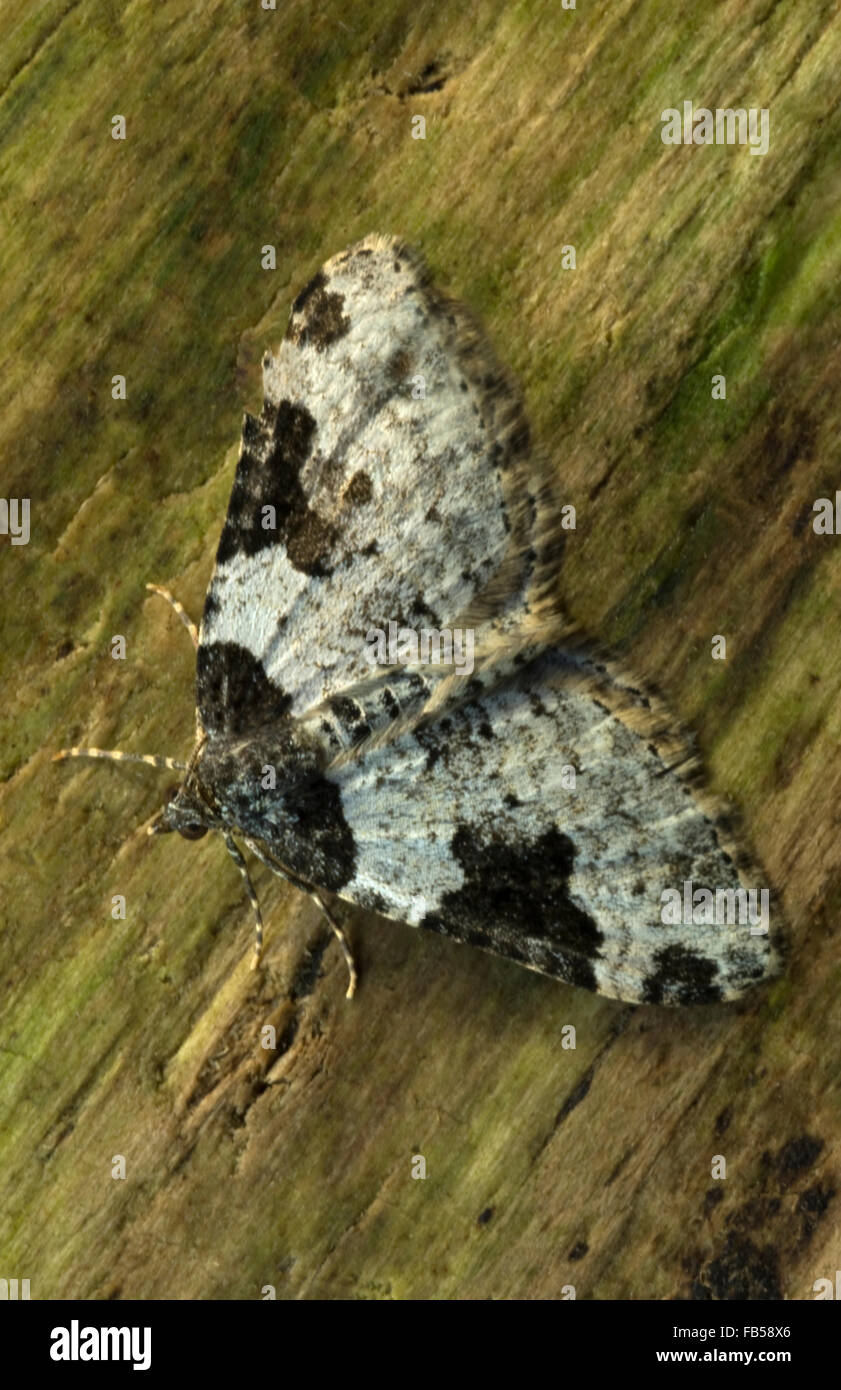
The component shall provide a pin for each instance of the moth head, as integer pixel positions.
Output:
(185, 811)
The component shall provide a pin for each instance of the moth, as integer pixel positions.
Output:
(540, 805)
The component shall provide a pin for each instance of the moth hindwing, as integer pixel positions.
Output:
(391, 705)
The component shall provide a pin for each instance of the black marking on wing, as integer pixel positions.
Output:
(321, 846)
(351, 717)
(233, 693)
(515, 902)
(317, 319)
(359, 490)
(389, 703)
(681, 977)
(274, 450)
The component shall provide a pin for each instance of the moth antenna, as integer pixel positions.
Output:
(249, 888)
(194, 756)
(188, 623)
(179, 609)
(153, 760)
(115, 756)
(277, 868)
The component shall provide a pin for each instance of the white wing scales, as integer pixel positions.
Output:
(494, 846)
(393, 453)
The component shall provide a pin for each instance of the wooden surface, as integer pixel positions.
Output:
(547, 1168)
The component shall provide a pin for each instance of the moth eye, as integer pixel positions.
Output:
(194, 831)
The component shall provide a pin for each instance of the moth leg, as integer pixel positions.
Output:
(179, 609)
(249, 888)
(340, 936)
(115, 756)
(277, 868)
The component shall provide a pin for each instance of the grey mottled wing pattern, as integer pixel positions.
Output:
(495, 847)
(387, 478)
